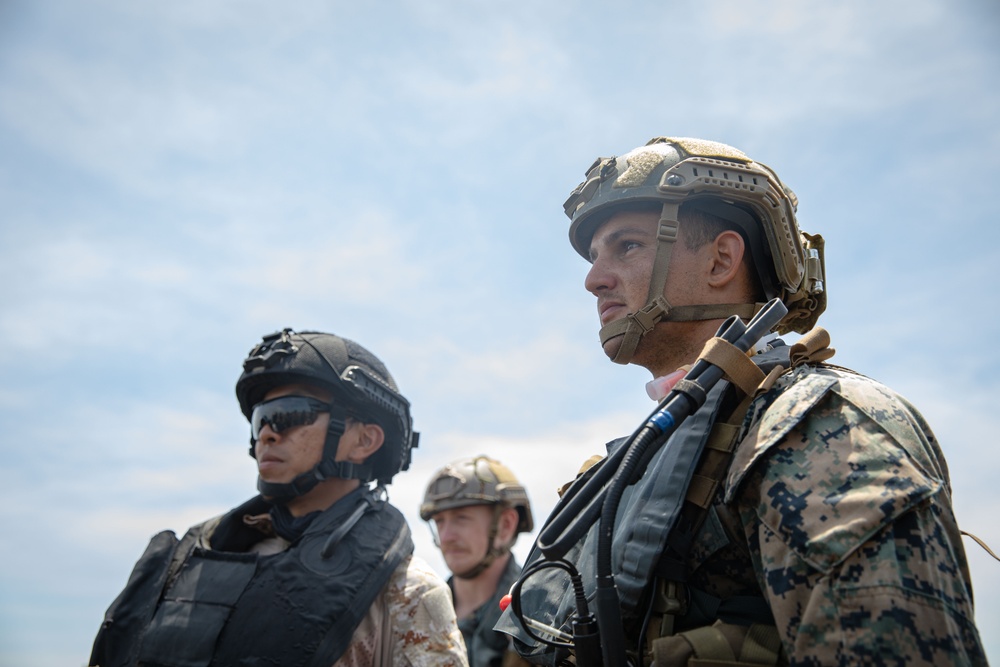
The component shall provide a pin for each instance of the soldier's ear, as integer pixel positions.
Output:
(507, 525)
(365, 440)
(728, 250)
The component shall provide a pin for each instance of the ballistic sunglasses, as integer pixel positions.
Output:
(284, 413)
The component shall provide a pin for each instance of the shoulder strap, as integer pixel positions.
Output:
(708, 475)
(388, 536)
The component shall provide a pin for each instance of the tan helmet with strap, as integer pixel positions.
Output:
(478, 480)
(723, 182)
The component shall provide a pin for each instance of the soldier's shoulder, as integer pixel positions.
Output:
(814, 401)
(422, 616)
(414, 578)
(833, 457)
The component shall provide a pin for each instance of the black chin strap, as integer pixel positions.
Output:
(327, 468)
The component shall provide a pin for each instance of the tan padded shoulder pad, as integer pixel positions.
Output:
(738, 367)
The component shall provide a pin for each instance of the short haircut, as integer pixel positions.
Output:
(701, 227)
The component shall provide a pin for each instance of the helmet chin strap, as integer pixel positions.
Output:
(328, 467)
(657, 309)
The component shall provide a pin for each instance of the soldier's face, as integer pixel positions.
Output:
(282, 456)
(622, 252)
(464, 535)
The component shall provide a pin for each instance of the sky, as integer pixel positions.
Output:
(179, 179)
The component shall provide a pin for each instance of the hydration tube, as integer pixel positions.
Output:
(599, 495)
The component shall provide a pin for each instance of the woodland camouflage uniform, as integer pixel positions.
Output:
(823, 533)
(839, 508)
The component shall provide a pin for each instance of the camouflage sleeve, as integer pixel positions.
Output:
(422, 618)
(848, 517)
(410, 624)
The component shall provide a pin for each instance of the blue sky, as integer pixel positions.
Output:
(177, 179)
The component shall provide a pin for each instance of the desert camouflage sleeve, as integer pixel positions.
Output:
(845, 501)
(411, 624)
(423, 619)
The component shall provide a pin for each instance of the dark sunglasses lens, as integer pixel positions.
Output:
(285, 413)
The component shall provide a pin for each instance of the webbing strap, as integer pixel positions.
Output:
(812, 348)
(738, 367)
(701, 490)
(634, 326)
(709, 643)
(980, 543)
(771, 378)
(714, 462)
(644, 320)
(761, 646)
(712, 311)
(666, 235)
(723, 436)
(660, 310)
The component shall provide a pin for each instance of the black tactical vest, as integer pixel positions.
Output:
(189, 606)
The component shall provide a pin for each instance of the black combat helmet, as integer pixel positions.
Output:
(361, 386)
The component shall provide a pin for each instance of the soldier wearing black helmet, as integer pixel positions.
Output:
(318, 568)
(802, 514)
(476, 508)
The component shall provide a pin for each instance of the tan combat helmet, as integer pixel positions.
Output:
(721, 181)
(478, 480)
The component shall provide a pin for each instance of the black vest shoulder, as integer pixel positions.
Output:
(217, 607)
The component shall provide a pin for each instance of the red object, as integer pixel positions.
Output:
(504, 602)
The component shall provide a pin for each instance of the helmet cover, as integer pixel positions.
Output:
(724, 182)
(478, 480)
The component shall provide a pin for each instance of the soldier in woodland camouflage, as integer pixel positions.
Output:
(817, 526)
(842, 494)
